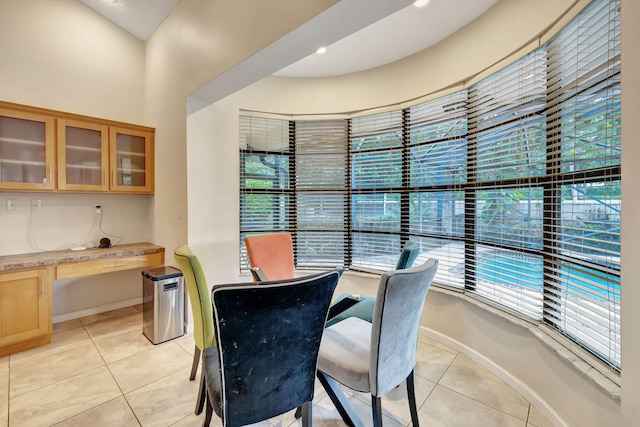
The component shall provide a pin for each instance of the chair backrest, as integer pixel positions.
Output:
(203, 332)
(272, 253)
(268, 339)
(396, 322)
(409, 253)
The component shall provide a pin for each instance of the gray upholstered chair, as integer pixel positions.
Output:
(376, 357)
(364, 308)
(268, 338)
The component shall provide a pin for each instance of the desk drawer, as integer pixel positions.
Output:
(86, 268)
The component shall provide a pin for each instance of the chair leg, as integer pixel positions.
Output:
(339, 400)
(202, 395)
(306, 413)
(376, 407)
(411, 393)
(208, 413)
(194, 365)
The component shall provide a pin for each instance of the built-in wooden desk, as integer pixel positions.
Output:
(26, 283)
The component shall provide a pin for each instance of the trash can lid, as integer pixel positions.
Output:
(161, 272)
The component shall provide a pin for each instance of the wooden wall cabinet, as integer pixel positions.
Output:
(27, 150)
(131, 160)
(85, 154)
(25, 309)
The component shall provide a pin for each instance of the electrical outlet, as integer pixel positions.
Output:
(98, 209)
(11, 205)
(36, 204)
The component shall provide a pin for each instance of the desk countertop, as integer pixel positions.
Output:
(43, 259)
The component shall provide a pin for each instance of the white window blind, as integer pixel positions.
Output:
(506, 115)
(322, 180)
(437, 136)
(582, 280)
(507, 141)
(266, 168)
(376, 159)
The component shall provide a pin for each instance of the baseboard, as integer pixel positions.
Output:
(188, 328)
(96, 310)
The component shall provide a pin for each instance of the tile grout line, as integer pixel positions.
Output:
(105, 365)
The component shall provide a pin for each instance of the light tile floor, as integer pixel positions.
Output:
(101, 371)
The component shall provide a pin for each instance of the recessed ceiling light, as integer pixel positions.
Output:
(420, 3)
(321, 50)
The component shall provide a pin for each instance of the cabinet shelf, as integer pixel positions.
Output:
(81, 148)
(129, 154)
(22, 141)
(22, 162)
(131, 171)
(84, 167)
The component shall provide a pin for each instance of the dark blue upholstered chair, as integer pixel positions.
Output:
(268, 338)
(364, 308)
(377, 357)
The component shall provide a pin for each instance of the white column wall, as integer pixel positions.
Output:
(197, 42)
(630, 233)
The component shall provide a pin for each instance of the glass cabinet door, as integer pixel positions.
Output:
(83, 156)
(131, 160)
(26, 151)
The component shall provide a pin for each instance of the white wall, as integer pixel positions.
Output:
(630, 233)
(68, 220)
(513, 350)
(61, 55)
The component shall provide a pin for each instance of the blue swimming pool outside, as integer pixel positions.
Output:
(526, 272)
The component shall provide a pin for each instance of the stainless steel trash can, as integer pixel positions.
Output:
(162, 304)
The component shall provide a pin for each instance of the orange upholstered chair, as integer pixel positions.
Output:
(272, 254)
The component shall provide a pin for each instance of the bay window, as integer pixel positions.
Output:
(512, 183)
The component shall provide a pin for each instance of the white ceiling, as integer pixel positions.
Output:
(138, 17)
(400, 34)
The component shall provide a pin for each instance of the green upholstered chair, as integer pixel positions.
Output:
(364, 308)
(203, 330)
(377, 357)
